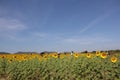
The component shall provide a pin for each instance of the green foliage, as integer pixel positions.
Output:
(81, 68)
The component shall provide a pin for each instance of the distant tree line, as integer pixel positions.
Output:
(109, 51)
(4, 53)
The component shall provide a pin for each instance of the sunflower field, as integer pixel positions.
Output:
(54, 66)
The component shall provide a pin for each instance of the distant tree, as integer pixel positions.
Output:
(67, 52)
(93, 51)
(4, 53)
(117, 50)
(26, 52)
(102, 51)
(85, 51)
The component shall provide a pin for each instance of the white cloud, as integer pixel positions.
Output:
(86, 40)
(11, 25)
(7, 24)
(10, 28)
(39, 34)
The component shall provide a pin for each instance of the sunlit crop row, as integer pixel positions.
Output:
(22, 57)
(62, 66)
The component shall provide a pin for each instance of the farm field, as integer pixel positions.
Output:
(79, 66)
(59, 39)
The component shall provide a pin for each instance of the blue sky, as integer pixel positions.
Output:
(59, 25)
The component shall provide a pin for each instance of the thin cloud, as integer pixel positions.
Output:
(86, 40)
(39, 34)
(11, 25)
(97, 21)
(10, 28)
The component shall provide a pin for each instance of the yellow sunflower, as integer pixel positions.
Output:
(76, 55)
(3, 56)
(24, 58)
(103, 55)
(10, 60)
(88, 55)
(55, 55)
(62, 55)
(45, 57)
(97, 53)
(113, 59)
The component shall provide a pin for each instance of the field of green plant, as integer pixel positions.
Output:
(75, 67)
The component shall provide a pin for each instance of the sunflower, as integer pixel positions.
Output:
(62, 55)
(68, 55)
(40, 58)
(88, 55)
(45, 57)
(2, 56)
(103, 55)
(75, 55)
(14, 57)
(10, 60)
(55, 55)
(24, 58)
(97, 53)
(113, 59)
